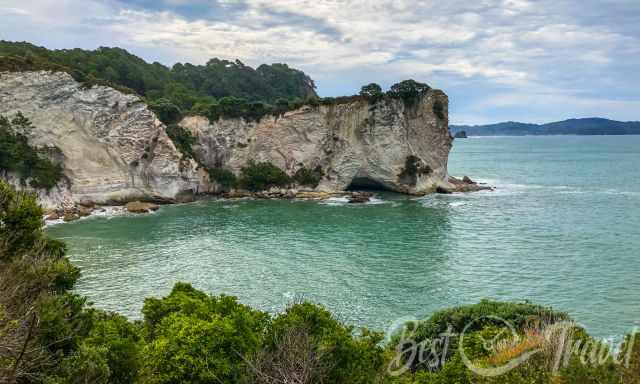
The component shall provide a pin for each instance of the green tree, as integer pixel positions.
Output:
(262, 176)
(309, 177)
(18, 156)
(344, 358)
(408, 90)
(196, 338)
(372, 92)
(166, 111)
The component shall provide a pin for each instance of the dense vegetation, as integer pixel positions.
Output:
(49, 335)
(182, 139)
(262, 176)
(17, 156)
(217, 88)
(309, 177)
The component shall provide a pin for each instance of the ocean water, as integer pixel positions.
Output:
(561, 229)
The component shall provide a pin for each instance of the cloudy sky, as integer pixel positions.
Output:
(524, 60)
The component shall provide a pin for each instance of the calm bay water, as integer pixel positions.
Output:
(562, 229)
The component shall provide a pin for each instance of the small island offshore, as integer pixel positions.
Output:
(83, 130)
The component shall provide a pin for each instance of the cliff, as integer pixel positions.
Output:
(113, 149)
(388, 145)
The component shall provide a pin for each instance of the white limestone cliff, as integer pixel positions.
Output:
(355, 144)
(113, 148)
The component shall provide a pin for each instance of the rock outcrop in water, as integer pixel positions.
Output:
(388, 145)
(114, 150)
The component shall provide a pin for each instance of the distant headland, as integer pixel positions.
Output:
(588, 126)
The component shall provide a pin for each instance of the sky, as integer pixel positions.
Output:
(498, 60)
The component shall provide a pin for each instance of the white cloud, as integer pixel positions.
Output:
(509, 48)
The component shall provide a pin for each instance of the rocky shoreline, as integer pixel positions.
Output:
(87, 208)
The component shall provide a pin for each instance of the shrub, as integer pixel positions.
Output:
(236, 107)
(629, 355)
(477, 317)
(372, 92)
(262, 176)
(408, 90)
(166, 111)
(120, 342)
(308, 177)
(341, 356)
(46, 323)
(438, 109)
(196, 338)
(183, 140)
(16, 155)
(222, 176)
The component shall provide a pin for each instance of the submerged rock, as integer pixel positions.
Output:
(314, 195)
(140, 207)
(84, 211)
(360, 197)
(467, 180)
(464, 185)
(70, 216)
(54, 215)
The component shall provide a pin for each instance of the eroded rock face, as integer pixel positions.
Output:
(113, 148)
(355, 144)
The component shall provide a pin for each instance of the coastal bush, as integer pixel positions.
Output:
(472, 318)
(262, 176)
(237, 107)
(41, 323)
(372, 92)
(183, 140)
(341, 356)
(309, 177)
(408, 90)
(629, 355)
(17, 155)
(222, 176)
(166, 111)
(196, 338)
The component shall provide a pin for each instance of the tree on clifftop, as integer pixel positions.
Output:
(408, 90)
(372, 92)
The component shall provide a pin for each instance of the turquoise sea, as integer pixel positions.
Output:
(562, 229)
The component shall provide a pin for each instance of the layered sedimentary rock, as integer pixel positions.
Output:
(389, 145)
(111, 146)
(114, 150)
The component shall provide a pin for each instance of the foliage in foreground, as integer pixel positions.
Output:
(49, 335)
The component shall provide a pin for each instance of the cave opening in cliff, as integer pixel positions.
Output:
(367, 184)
